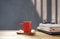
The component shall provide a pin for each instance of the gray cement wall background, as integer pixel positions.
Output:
(13, 12)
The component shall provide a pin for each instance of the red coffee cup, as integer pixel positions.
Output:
(27, 26)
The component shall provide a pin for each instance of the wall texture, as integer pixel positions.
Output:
(13, 12)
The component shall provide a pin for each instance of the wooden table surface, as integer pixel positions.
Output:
(11, 34)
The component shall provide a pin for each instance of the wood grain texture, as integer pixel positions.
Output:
(11, 34)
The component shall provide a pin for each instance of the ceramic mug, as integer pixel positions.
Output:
(26, 26)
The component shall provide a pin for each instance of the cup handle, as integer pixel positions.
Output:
(21, 26)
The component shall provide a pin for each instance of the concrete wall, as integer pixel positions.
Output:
(13, 12)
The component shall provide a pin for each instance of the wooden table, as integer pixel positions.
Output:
(11, 34)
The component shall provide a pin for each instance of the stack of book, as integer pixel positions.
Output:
(50, 28)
